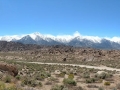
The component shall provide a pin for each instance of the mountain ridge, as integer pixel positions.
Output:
(76, 40)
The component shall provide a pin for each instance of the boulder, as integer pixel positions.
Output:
(11, 69)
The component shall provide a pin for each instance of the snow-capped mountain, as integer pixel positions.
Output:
(76, 39)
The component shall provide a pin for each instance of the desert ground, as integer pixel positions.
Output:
(59, 68)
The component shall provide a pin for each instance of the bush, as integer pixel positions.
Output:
(100, 88)
(71, 76)
(18, 77)
(107, 83)
(103, 75)
(40, 84)
(12, 88)
(86, 75)
(80, 88)
(62, 74)
(69, 82)
(90, 80)
(24, 81)
(2, 86)
(41, 77)
(57, 87)
(7, 79)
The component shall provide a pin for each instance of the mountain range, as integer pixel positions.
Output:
(75, 40)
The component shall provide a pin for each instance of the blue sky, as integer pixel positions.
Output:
(57, 17)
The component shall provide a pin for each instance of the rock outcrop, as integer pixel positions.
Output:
(11, 69)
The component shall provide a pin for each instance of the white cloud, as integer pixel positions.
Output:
(76, 34)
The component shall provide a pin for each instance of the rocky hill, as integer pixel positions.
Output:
(19, 51)
(16, 46)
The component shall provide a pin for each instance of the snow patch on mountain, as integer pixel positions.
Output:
(59, 38)
(114, 39)
(10, 38)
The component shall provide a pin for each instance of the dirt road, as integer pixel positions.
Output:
(87, 66)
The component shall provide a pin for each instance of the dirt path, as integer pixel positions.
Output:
(87, 66)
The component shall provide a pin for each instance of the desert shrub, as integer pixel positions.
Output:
(100, 80)
(2, 86)
(52, 79)
(40, 77)
(107, 83)
(12, 88)
(80, 88)
(32, 83)
(86, 75)
(90, 80)
(103, 75)
(48, 74)
(48, 83)
(25, 81)
(71, 76)
(7, 79)
(101, 88)
(40, 84)
(69, 82)
(57, 87)
(18, 77)
(62, 74)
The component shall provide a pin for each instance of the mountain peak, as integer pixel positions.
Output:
(75, 40)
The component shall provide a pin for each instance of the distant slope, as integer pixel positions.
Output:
(16, 46)
(75, 40)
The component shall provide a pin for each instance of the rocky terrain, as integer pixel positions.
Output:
(55, 53)
(16, 46)
(11, 69)
(58, 67)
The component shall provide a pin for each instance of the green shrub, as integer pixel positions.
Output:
(48, 74)
(40, 78)
(2, 86)
(25, 81)
(86, 75)
(100, 88)
(90, 80)
(11, 88)
(18, 77)
(33, 83)
(40, 84)
(57, 87)
(69, 82)
(7, 79)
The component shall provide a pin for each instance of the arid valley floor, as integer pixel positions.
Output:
(59, 67)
